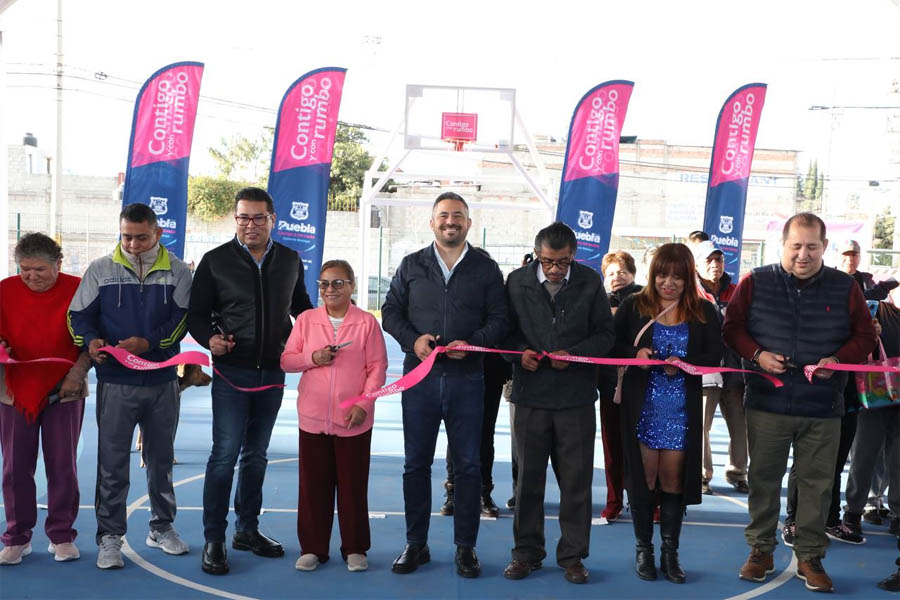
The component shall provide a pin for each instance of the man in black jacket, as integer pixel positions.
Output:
(244, 293)
(446, 294)
(559, 306)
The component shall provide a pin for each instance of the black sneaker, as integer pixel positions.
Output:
(842, 533)
(787, 535)
(704, 488)
(511, 503)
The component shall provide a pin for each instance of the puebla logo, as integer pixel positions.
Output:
(159, 205)
(726, 224)
(585, 219)
(299, 211)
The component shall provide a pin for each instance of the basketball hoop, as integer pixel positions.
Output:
(457, 144)
(459, 129)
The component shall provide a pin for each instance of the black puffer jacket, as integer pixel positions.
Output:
(470, 307)
(577, 320)
(252, 304)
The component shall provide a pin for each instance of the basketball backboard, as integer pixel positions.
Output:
(440, 117)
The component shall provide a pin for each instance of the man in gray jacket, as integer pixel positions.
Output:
(559, 306)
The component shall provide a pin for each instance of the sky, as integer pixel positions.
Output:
(684, 57)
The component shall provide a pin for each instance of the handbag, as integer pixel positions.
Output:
(620, 371)
(879, 390)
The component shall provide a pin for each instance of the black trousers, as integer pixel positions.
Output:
(567, 435)
(493, 391)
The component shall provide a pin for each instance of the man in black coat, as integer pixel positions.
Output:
(244, 293)
(446, 294)
(559, 306)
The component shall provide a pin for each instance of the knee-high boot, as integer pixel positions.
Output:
(671, 515)
(642, 519)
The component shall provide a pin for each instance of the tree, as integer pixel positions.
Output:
(348, 168)
(212, 197)
(248, 160)
(245, 158)
(810, 188)
(883, 236)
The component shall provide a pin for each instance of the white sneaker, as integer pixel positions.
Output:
(64, 552)
(109, 552)
(12, 555)
(307, 562)
(357, 562)
(167, 541)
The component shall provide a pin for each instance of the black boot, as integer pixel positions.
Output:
(488, 507)
(671, 513)
(642, 519)
(447, 508)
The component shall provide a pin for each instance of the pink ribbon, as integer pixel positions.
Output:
(6, 359)
(809, 370)
(247, 389)
(129, 360)
(421, 371)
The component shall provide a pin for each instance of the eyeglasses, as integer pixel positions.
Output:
(336, 284)
(259, 220)
(562, 263)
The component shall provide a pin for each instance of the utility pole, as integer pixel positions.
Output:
(56, 200)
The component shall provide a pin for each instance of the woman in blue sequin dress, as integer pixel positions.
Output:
(662, 410)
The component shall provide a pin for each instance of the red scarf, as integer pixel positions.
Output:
(34, 326)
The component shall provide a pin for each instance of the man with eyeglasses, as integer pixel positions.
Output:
(447, 294)
(244, 293)
(557, 306)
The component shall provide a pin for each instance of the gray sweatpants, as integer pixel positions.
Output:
(875, 429)
(119, 408)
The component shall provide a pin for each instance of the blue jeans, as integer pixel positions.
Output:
(459, 401)
(242, 425)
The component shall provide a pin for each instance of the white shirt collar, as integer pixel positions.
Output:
(445, 270)
(542, 278)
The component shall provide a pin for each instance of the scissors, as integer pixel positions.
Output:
(337, 347)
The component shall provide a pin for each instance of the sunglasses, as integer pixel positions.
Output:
(336, 284)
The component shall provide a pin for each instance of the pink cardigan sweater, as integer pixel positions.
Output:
(357, 368)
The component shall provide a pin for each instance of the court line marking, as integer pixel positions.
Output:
(788, 573)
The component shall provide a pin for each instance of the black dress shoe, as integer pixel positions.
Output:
(214, 558)
(467, 563)
(488, 507)
(520, 569)
(257, 543)
(413, 556)
(576, 573)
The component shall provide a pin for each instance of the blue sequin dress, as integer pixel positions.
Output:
(663, 422)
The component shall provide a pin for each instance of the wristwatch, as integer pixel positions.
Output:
(755, 359)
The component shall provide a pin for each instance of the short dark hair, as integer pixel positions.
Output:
(622, 258)
(557, 235)
(804, 219)
(139, 213)
(698, 236)
(338, 264)
(38, 245)
(450, 196)
(254, 194)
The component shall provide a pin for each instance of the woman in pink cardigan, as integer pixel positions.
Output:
(340, 351)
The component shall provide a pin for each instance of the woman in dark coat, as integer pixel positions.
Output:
(662, 409)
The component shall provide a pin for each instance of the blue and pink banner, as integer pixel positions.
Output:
(160, 148)
(301, 165)
(729, 172)
(590, 182)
